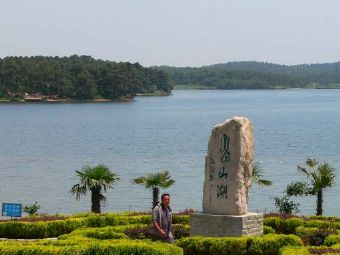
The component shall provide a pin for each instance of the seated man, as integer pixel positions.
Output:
(162, 220)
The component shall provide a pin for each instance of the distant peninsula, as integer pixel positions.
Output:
(83, 78)
(77, 78)
(254, 75)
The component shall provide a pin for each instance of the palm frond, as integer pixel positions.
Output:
(303, 170)
(310, 162)
(257, 176)
(78, 190)
(153, 180)
(94, 177)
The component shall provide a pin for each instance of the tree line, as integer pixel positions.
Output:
(78, 77)
(257, 75)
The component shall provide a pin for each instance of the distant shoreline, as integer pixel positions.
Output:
(65, 101)
(203, 87)
(56, 101)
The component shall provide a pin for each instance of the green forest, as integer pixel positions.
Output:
(85, 78)
(256, 75)
(78, 78)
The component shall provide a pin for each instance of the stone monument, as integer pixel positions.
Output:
(228, 171)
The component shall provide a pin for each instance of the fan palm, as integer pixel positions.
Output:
(320, 177)
(155, 182)
(258, 174)
(94, 179)
(256, 177)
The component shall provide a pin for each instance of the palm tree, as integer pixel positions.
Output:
(155, 182)
(256, 177)
(258, 174)
(94, 179)
(320, 177)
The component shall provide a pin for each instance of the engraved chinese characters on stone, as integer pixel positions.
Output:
(228, 167)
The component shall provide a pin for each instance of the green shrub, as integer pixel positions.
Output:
(32, 230)
(305, 231)
(324, 218)
(180, 231)
(276, 223)
(268, 230)
(294, 251)
(181, 219)
(100, 233)
(271, 244)
(322, 224)
(105, 220)
(311, 250)
(288, 226)
(145, 231)
(292, 224)
(283, 226)
(314, 236)
(117, 247)
(266, 245)
(332, 239)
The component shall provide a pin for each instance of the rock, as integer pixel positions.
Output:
(228, 167)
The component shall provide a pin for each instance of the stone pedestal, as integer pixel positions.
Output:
(250, 224)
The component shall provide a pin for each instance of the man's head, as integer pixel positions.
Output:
(165, 199)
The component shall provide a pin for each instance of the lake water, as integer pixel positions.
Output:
(43, 144)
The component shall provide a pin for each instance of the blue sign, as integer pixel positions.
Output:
(11, 209)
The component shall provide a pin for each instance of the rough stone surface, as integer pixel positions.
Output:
(228, 168)
(226, 225)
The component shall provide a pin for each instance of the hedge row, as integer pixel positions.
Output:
(268, 230)
(35, 230)
(311, 250)
(266, 245)
(44, 229)
(132, 231)
(288, 226)
(117, 247)
(332, 239)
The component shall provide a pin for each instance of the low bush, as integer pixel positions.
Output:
(268, 230)
(332, 239)
(294, 251)
(43, 229)
(140, 232)
(276, 223)
(324, 218)
(145, 232)
(265, 245)
(117, 247)
(314, 236)
(311, 250)
(34, 230)
(288, 226)
(100, 233)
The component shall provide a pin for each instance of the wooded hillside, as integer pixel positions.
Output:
(257, 75)
(78, 77)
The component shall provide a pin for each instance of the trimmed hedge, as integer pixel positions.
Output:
(268, 230)
(265, 245)
(35, 230)
(309, 250)
(121, 247)
(288, 226)
(44, 229)
(332, 239)
(294, 251)
(314, 236)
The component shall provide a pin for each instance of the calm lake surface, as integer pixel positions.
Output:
(43, 144)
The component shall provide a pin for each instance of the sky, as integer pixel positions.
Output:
(176, 32)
